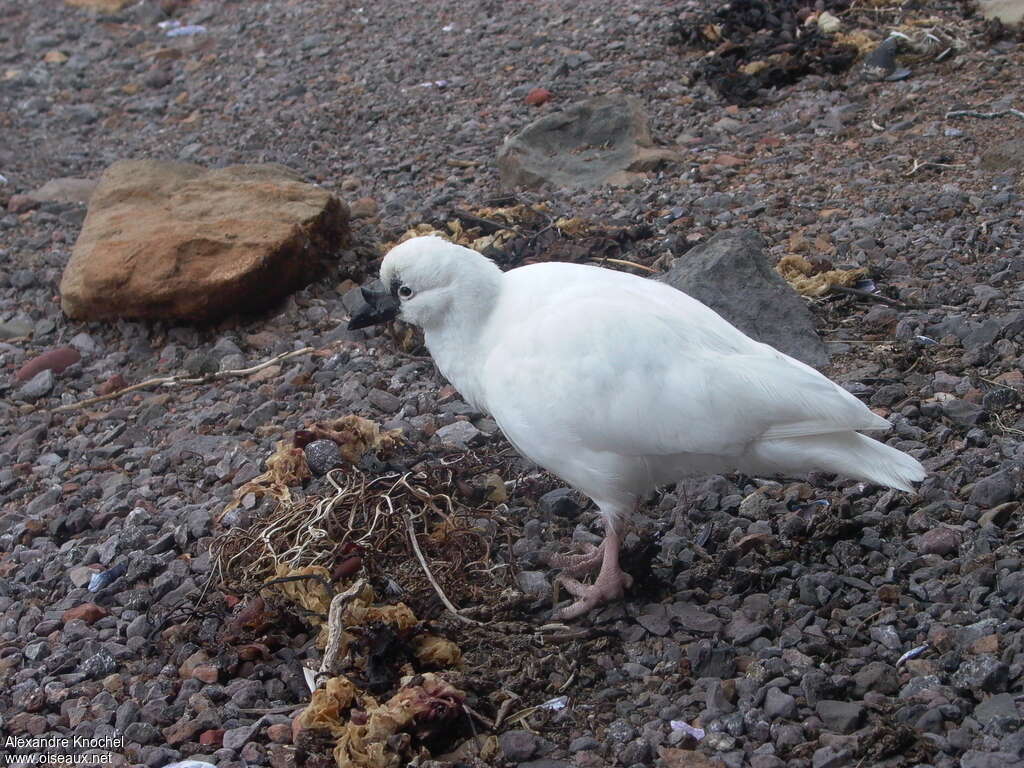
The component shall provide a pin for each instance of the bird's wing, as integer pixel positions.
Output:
(640, 376)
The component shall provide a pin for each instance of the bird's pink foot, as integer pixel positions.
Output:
(610, 585)
(579, 565)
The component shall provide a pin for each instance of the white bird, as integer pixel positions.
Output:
(619, 384)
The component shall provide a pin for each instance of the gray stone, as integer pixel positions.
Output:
(998, 708)
(711, 660)
(15, 329)
(37, 651)
(263, 414)
(384, 400)
(731, 273)
(560, 502)
(938, 541)
(962, 412)
(694, 619)
(604, 140)
(877, 676)
(779, 705)
(655, 623)
(533, 583)
(831, 756)
(980, 673)
(65, 190)
(717, 700)
(519, 745)
(460, 434)
(841, 716)
(583, 743)
(995, 489)
(236, 738)
(973, 758)
(99, 665)
(38, 386)
(142, 733)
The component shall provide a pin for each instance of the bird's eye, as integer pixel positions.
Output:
(405, 292)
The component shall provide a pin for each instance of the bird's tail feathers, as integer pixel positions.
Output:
(845, 453)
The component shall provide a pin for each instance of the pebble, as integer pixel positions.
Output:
(840, 716)
(322, 456)
(39, 386)
(460, 434)
(938, 541)
(519, 745)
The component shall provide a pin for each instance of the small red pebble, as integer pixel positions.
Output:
(212, 737)
(56, 360)
(538, 96)
(87, 612)
(112, 384)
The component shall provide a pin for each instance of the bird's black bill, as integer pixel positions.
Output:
(380, 307)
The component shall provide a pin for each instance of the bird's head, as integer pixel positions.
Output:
(425, 281)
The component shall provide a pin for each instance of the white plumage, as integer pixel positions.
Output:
(619, 384)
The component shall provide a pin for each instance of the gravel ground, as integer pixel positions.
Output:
(779, 616)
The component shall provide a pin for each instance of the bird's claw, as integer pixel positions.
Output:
(607, 588)
(579, 565)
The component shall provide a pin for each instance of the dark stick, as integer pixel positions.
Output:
(875, 297)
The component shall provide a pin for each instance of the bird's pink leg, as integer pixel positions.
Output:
(611, 583)
(580, 565)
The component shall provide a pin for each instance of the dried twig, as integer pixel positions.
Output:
(984, 115)
(336, 631)
(918, 165)
(430, 576)
(505, 708)
(178, 380)
(874, 297)
(624, 263)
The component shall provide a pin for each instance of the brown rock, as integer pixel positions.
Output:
(538, 96)
(25, 723)
(112, 384)
(175, 241)
(364, 208)
(280, 733)
(889, 593)
(87, 612)
(55, 359)
(188, 666)
(206, 672)
(182, 731)
(986, 644)
(21, 204)
(1013, 379)
(213, 737)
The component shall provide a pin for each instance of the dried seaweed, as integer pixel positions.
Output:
(761, 44)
